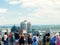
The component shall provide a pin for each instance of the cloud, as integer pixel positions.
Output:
(35, 3)
(47, 12)
(14, 2)
(2, 20)
(39, 3)
(45, 16)
(2, 10)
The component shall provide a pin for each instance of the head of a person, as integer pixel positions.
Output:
(11, 33)
(5, 33)
(37, 35)
(59, 33)
(29, 35)
(48, 34)
(22, 35)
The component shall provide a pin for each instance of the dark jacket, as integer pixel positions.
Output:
(16, 36)
(30, 41)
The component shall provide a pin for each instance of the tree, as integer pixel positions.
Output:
(14, 28)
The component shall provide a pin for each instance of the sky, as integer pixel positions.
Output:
(35, 11)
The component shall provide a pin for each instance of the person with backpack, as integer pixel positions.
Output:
(35, 40)
(12, 38)
(53, 40)
(5, 39)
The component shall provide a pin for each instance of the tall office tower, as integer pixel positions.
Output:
(26, 26)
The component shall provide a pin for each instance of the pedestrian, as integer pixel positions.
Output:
(16, 38)
(39, 41)
(44, 39)
(30, 39)
(0, 43)
(5, 39)
(47, 38)
(53, 40)
(57, 39)
(0, 39)
(21, 39)
(12, 38)
(35, 40)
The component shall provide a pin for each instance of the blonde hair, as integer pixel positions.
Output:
(29, 35)
(21, 35)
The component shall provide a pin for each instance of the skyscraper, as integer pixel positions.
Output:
(29, 27)
(25, 25)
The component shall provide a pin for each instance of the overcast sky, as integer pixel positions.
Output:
(35, 11)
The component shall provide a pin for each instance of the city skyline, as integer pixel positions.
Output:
(35, 11)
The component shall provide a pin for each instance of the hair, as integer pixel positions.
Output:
(21, 34)
(29, 36)
(48, 34)
(5, 33)
(37, 34)
(11, 33)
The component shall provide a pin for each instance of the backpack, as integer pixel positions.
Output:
(35, 39)
(13, 37)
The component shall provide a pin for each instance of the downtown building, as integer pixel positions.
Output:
(26, 26)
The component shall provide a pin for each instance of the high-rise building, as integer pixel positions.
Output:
(29, 27)
(25, 25)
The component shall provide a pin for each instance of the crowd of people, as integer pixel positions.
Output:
(20, 39)
(54, 40)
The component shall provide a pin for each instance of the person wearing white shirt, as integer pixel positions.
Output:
(35, 40)
(5, 39)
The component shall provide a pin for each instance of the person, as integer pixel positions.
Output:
(47, 38)
(44, 40)
(21, 39)
(16, 38)
(35, 40)
(57, 39)
(53, 40)
(0, 39)
(39, 40)
(5, 39)
(12, 38)
(30, 39)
